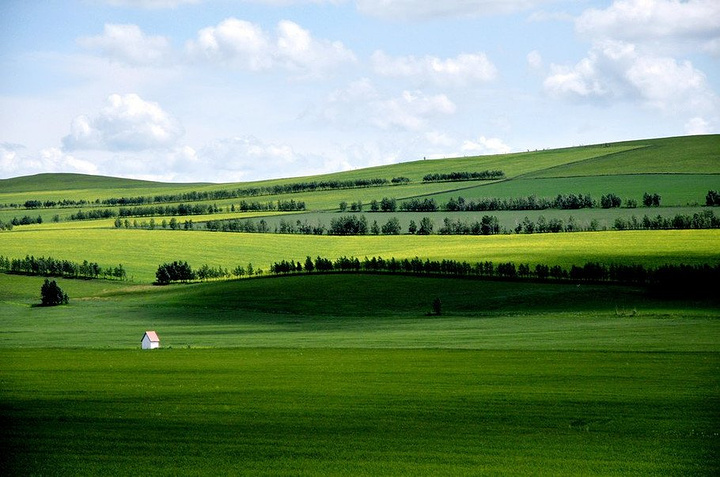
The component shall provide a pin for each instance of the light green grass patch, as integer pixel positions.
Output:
(141, 251)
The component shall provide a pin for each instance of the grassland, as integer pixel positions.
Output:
(542, 379)
(349, 374)
(365, 412)
(372, 311)
(141, 251)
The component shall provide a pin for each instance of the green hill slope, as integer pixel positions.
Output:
(685, 155)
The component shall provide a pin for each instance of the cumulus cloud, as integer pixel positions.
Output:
(128, 44)
(698, 125)
(244, 44)
(412, 110)
(127, 122)
(463, 69)
(665, 24)
(360, 105)
(16, 160)
(429, 9)
(234, 42)
(617, 70)
(484, 146)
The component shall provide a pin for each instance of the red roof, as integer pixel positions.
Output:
(152, 335)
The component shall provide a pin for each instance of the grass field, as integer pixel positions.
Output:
(342, 374)
(141, 251)
(535, 379)
(351, 311)
(365, 412)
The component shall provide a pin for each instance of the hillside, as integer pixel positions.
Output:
(680, 155)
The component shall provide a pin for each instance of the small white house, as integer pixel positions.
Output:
(150, 340)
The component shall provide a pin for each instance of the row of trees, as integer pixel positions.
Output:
(702, 220)
(152, 224)
(486, 225)
(51, 267)
(186, 209)
(464, 176)
(181, 271)
(680, 280)
(532, 202)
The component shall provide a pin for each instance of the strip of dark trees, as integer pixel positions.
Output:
(486, 225)
(186, 209)
(51, 267)
(667, 280)
(464, 176)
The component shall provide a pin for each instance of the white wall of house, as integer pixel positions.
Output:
(147, 344)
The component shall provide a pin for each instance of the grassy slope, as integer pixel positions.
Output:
(141, 251)
(655, 155)
(680, 155)
(375, 311)
(675, 190)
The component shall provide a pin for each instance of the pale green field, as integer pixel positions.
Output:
(141, 251)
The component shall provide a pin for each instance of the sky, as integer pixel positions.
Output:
(244, 90)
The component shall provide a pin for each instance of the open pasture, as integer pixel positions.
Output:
(141, 251)
(355, 311)
(674, 189)
(676, 155)
(359, 412)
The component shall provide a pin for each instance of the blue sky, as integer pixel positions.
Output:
(220, 90)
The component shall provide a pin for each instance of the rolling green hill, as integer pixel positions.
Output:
(345, 374)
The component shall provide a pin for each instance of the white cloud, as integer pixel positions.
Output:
(431, 9)
(128, 44)
(617, 70)
(698, 125)
(233, 42)
(15, 160)
(244, 44)
(483, 146)
(658, 25)
(412, 110)
(296, 49)
(534, 60)
(126, 123)
(463, 69)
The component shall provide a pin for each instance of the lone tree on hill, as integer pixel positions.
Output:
(52, 295)
(437, 306)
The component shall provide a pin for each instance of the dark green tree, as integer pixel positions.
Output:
(52, 295)
(437, 306)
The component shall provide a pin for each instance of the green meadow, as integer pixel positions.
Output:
(354, 374)
(142, 251)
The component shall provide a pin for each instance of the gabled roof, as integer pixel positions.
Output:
(152, 335)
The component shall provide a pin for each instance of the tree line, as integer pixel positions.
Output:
(668, 280)
(464, 176)
(186, 209)
(679, 280)
(52, 267)
(181, 271)
(531, 202)
(485, 225)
